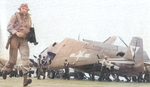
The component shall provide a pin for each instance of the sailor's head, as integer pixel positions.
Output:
(24, 8)
(65, 59)
(40, 56)
(43, 57)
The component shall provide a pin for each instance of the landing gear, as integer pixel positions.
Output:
(51, 74)
(78, 75)
(92, 76)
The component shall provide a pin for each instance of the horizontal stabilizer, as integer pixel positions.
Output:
(123, 62)
(120, 61)
(147, 62)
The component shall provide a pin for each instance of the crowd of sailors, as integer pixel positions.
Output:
(40, 68)
(107, 71)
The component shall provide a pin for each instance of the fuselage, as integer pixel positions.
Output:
(81, 54)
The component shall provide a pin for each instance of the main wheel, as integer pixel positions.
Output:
(51, 74)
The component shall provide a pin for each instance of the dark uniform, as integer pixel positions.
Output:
(105, 70)
(66, 66)
(44, 66)
(41, 69)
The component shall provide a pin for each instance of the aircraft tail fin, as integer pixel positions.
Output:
(135, 52)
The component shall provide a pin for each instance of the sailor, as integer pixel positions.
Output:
(66, 66)
(18, 28)
(140, 77)
(44, 66)
(147, 73)
(20, 71)
(44, 61)
(39, 67)
(105, 70)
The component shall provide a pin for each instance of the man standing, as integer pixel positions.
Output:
(44, 66)
(66, 66)
(103, 75)
(39, 67)
(106, 69)
(18, 27)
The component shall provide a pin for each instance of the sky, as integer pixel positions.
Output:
(55, 20)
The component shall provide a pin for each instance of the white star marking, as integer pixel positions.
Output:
(134, 49)
(80, 54)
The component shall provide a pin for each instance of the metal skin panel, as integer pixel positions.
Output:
(134, 54)
(84, 55)
(74, 52)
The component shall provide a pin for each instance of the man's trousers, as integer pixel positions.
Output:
(16, 44)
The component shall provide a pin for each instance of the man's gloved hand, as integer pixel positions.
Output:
(23, 31)
(19, 34)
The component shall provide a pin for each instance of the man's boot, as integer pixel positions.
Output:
(4, 74)
(26, 81)
(43, 76)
